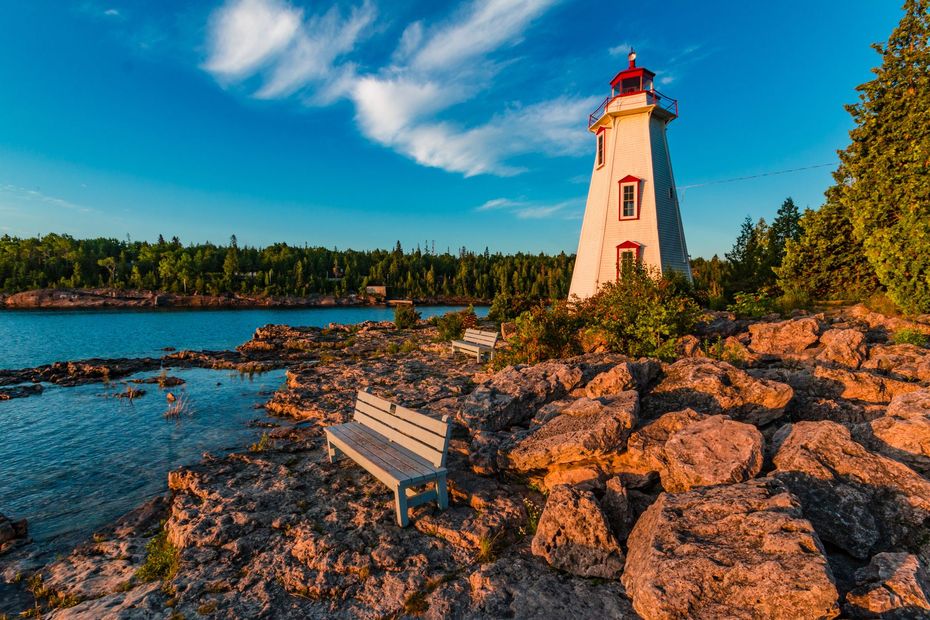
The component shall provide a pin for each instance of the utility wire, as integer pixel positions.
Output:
(754, 176)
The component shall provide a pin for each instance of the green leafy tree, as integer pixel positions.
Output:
(884, 177)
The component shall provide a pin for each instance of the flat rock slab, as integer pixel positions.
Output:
(858, 500)
(738, 551)
(904, 431)
(784, 337)
(712, 386)
(716, 450)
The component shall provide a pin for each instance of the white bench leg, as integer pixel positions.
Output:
(400, 506)
(332, 451)
(442, 495)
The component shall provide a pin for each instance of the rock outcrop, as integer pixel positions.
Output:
(903, 432)
(574, 535)
(711, 386)
(893, 585)
(716, 450)
(11, 532)
(587, 428)
(784, 337)
(845, 347)
(858, 500)
(736, 551)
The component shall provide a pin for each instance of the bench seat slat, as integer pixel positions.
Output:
(376, 467)
(401, 464)
(404, 459)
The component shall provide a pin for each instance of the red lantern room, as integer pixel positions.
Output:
(632, 80)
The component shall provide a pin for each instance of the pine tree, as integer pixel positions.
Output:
(786, 227)
(884, 178)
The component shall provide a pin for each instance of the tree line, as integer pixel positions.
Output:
(61, 261)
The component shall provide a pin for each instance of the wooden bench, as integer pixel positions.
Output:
(477, 342)
(400, 447)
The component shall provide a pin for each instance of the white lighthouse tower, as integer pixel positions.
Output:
(632, 213)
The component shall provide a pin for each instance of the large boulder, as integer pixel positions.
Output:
(513, 395)
(712, 386)
(905, 361)
(586, 429)
(716, 450)
(645, 449)
(893, 585)
(904, 431)
(624, 376)
(784, 337)
(859, 385)
(736, 551)
(845, 347)
(858, 500)
(11, 530)
(574, 535)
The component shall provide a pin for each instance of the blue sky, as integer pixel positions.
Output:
(357, 124)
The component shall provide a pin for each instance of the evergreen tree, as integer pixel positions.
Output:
(786, 227)
(884, 178)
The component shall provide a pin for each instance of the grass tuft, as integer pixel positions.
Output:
(161, 559)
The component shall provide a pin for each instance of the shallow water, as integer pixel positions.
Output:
(75, 459)
(33, 337)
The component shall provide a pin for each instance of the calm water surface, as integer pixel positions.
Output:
(74, 459)
(34, 337)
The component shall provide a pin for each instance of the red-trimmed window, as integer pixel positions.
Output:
(601, 147)
(629, 198)
(629, 254)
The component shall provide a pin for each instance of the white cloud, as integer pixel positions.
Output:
(315, 47)
(31, 195)
(525, 210)
(111, 13)
(400, 105)
(481, 28)
(245, 34)
(621, 50)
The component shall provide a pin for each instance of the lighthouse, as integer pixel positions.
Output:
(632, 215)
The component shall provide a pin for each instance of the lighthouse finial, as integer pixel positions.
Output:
(632, 57)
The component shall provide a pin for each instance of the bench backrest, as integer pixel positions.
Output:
(421, 434)
(476, 336)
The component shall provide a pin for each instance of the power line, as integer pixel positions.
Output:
(755, 176)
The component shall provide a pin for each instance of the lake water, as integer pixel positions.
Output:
(75, 458)
(33, 337)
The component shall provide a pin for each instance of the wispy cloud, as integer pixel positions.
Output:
(405, 104)
(111, 13)
(528, 210)
(621, 50)
(24, 194)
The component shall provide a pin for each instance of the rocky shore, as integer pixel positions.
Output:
(777, 469)
(75, 299)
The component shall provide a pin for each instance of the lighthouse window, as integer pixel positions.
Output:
(628, 201)
(600, 149)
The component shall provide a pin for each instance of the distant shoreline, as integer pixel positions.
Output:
(115, 299)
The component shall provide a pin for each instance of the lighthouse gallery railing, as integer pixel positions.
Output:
(653, 97)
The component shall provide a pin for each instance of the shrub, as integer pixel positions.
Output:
(751, 305)
(161, 559)
(452, 325)
(793, 299)
(507, 307)
(910, 336)
(543, 333)
(405, 316)
(641, 314)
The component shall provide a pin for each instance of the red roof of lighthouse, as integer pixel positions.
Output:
(631, 72)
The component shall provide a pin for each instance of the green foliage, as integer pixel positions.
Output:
(507, 307)
(452, 325)
(264, 443)
(641, 314)
(405, 316)
(55, 261)
(910, 336)
(709, 278)
(826, 262)
(884, 175)
(541, 334)
(751, 305)
(161, 559)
